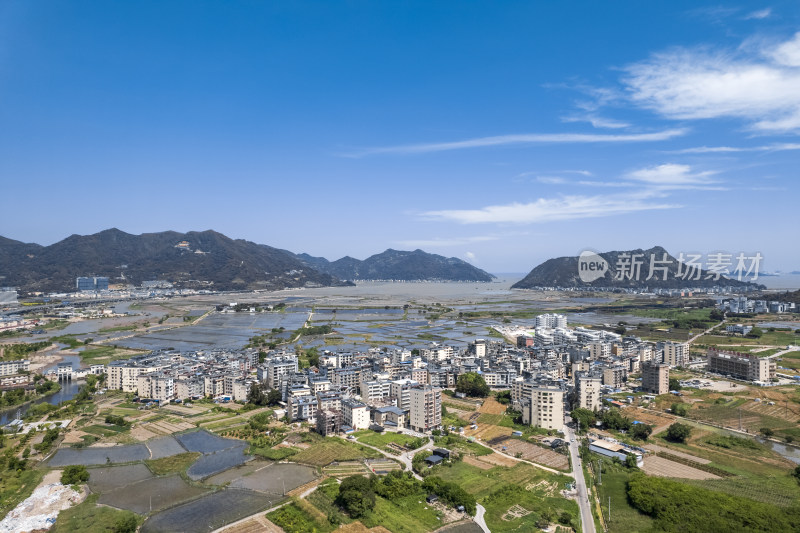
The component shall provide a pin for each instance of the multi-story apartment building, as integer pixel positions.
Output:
(302, 407)
(675, 353)
(188, 388)
(426, 408)
(355, 414)
(401, 390)
(345, 378)
(272, 370)
(615, 376)
(8, 368)
(214, 385)
(156, 385)
(329, 400)
(746, 366)
(378, 390)
(655, 378)
(329, 422)
(123, 374)
(600, 350)
(544, 407)
(587, 392)
(553, 320)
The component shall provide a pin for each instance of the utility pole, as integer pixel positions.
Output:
(600, 472)
(740, 419)
(609, 509)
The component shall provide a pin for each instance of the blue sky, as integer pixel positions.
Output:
(502, 133)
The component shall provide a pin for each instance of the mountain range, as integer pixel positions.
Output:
(564, 272)
(205, 259)
(398, 265)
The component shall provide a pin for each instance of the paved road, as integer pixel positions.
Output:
(587, 520)
(705, 332)
(480, 511)
(405, 458)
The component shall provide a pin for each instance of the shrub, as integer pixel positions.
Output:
(74, 475)
(678, 432)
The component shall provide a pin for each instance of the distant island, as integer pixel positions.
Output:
(565, 272)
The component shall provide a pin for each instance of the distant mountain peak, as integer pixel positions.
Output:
(416, 265)
(227, 264)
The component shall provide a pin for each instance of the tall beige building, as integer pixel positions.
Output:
(425, 408)
(655, 378)
(544, 408)
(676, 353)
(588, 392)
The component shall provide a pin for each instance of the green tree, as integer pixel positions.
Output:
(313, 356)
(796, 473)
(256, 396)
(755, 333)
(126, 523)
(273, 397)
(641, 431)
(767, 432)
(472, 384)
(614, 419)
(678, 432)
(679, 409)
(583, 418)
(630, 462)
(74, 474)
(674, 384)
(356, 496)
(504, 397)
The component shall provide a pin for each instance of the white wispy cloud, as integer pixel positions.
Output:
(552, 209)
(551, 180)
(671, 174)
(522, 139)
(761, 86)
(597, 121)
(777, 147)
(758, 15)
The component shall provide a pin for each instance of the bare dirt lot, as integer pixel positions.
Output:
(658, 466)
(492, 407)
(530, 452)
(474, 461)
(495, 459)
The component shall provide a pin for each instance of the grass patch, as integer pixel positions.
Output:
(89, 517)
(463, 445)
(382, 440)
(499, 488)
(274, 454)
(16, 486)
(118, 328)
(326, 451)
(625, 517)
(764, 491)
(105, 430)
(403, 515)
(171, 465)
(295, 519)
